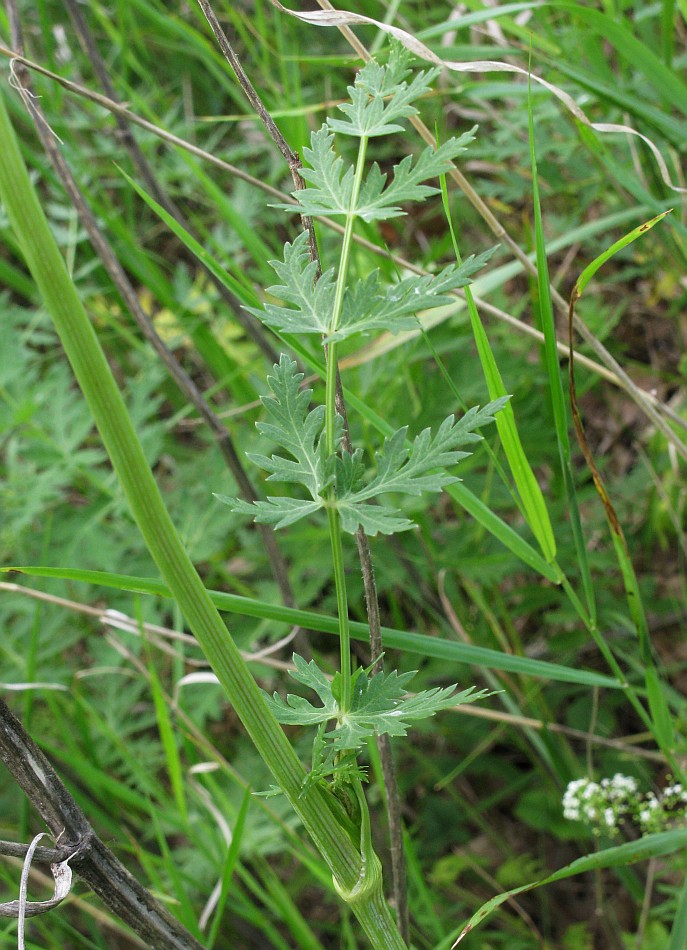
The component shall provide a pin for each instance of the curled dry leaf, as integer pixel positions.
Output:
(346, 18)
(62, 875)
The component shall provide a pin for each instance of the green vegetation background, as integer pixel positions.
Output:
(482, 793)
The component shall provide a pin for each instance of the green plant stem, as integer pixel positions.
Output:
(330, 434)
(145, 501)
(330, 399)
(341, 607)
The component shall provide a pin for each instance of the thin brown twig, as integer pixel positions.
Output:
(292, 158)
(247, 86)
(16, 849)
(101, 916)
(155, 634)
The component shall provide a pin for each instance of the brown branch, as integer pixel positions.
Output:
(292, 158)
(247, 86)
(93, 861)
(14, 849)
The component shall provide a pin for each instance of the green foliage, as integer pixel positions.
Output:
(332, 179)
(367, 306)
(381, 704)
(483, 794)
(361, 706)
(420, 467)
(368, 114)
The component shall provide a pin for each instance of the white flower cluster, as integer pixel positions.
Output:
(656, 814)
(603, 805)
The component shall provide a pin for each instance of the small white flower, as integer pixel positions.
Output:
(652, 803)
(624, 783)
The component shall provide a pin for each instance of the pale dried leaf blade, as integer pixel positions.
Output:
(22, 908)
(346, 18)
(22, 687)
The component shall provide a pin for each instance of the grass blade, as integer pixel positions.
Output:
(534, 506)
(235, 283)
(414, 643)
(678, 933)
(662, 722)
(560, 415)
(651, 846)
(229, 865)
(169, 745)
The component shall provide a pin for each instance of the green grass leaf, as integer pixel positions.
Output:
(235, 284)
(409, 642)
(651, 846)
(531, 495)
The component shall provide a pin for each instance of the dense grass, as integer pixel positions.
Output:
(157, 758)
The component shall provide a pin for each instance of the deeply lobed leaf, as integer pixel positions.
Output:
(295, 428)
(331, 180)
(368, 114)
(312, 300)
(368, 306)
(377, 203)
(298, 430)
(412, 470)
(277, 510)
(381, 704)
